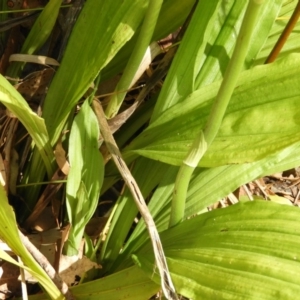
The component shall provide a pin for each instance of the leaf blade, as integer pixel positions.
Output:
(34, 124)
(265, 93)
(86, 174)
(233, 245)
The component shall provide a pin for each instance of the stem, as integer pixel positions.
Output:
(204, 140)
(284, 35)
(136, 57)
(183, 177)
(232, 72)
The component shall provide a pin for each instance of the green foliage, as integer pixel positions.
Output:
(131, 284)
(253, 127)
(38, 35)
(247, 251)
(136, 57)
(85, 176)
(87, 52)
(31, 121)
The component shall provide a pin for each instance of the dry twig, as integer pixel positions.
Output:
(47, 267)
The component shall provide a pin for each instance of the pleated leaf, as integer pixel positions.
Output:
(130, 284)
(247, 251)
(261, 119)
(206, 187)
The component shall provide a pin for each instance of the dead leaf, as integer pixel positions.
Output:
(35, 84)
(9, 283)
(45, 221)
(95, 226)
(60, 156)
(71, 266)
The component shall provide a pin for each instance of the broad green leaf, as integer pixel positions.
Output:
(222, 35)
(130, 284)
(261, 119)
(9, 234)
(206, 187)
(86, 174)
(247, 251)
(101, 30)
(280, 200)
(35, 125)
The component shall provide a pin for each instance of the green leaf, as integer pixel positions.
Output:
(247, 251)
(260, 120)
(35, 125)
(127, 210)
(9, 234)
(91, 46)
(38, 34)
(207, 46)
(206, 187)
(280, 200)
(181, 77)
(135, 59)
(291, 45)
(86, 174)
(42, 27)
(130, 284)
(172, 15)
(159, 206)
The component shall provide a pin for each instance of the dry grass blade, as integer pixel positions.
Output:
(161, 263)
(37, 59)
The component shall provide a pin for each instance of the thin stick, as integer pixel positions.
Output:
(23, 283)
(166, 281)
(47, 267)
